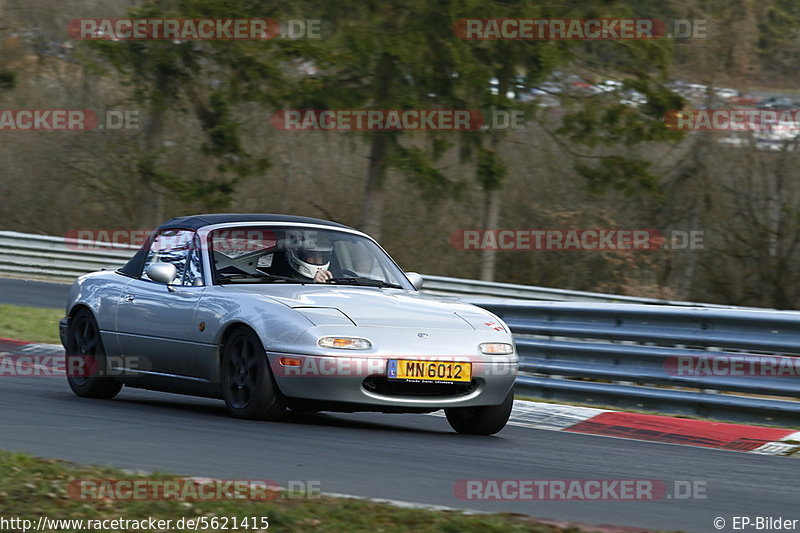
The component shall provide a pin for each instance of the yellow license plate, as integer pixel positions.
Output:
(402, 369)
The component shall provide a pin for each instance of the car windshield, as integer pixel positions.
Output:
(276, 254)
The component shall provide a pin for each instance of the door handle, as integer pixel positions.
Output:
(129, 298)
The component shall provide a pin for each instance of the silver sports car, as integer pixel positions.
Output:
(276, 312)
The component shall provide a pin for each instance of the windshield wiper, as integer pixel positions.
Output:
(263, 277)
(364, 282)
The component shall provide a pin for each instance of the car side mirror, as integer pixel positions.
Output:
(162, 272)
(415, 279)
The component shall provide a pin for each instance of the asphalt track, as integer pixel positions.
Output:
(33, 293)
(413, 458)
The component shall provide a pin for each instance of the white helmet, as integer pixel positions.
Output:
(310, 255)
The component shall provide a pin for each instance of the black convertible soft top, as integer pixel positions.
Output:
(198, 221)
(194, 222)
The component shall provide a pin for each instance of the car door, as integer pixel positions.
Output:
(155, 321)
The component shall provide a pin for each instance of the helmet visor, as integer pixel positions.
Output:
(314, 257)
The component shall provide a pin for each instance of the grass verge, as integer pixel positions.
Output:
(30, 324)
(32, 487)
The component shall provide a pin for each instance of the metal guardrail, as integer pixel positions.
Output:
(446, 286)
(56, 258)
(660, 358)
(62, 260)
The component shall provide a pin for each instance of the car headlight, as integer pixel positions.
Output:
(345, 343)
(502, 348)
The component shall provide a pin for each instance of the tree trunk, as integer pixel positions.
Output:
(380, 142)
(152, 192)
(491, 206)
(779, 253)
(373, 193)
(491, 220)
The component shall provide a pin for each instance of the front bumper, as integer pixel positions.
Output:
(363, 380)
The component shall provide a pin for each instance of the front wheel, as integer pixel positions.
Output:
(86, 359)
(247, 384)
(481, 420)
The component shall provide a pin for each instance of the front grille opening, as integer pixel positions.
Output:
(382, 385)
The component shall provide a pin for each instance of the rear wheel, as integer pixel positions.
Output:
(86, 359)
(248, 387)
(481, 420)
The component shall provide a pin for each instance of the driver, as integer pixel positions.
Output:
(311, 259)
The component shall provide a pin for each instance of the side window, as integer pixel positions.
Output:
(194, 268)
(171, 246)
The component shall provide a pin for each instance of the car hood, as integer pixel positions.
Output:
(374, 307)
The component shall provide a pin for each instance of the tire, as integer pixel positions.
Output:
(481, 420)
(248, 388)
(85, 344)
